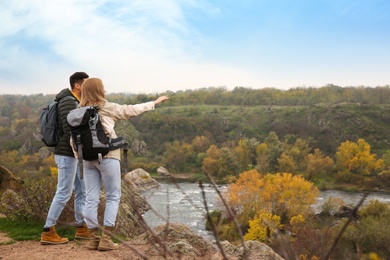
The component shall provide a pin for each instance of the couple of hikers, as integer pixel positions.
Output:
(89, 92)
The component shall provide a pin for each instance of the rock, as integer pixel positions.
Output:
(139, 147)
(163, 172)
(257, 250)
(179, 241)
(140, 180)
(9, 181)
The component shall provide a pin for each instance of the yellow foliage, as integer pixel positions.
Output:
(280, 194)
(243, 153)
(357, 158)
(286, 163)
(54, 172)
(371, 256)
(210, 166)
(262, 227)
(304, 257)
(296, 222)
(297, 219)
(286, 195)
(245, 192)
(318, 163)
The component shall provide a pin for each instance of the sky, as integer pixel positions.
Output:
(154, 46)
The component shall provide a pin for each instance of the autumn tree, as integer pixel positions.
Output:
(228, 164)
(318, 164)
(298, 152)
(280, 194)
(200, 144)
(286, 195)
(210, 163)
(274, 149)
(286, 163)
(244, 194)
(177, 154)
(356, 158)
(262, 161)
(243, 154)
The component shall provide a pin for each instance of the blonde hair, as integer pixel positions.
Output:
(92, 93)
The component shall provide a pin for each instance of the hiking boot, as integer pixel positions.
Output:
(94, 239)
(82, 232)
(50, 237)
(106, 243)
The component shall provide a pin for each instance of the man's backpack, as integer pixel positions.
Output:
(89, 138)
(49, 123)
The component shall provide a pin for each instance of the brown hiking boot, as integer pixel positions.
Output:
(82, 232)
(94, 239)
(106, 243)
(50, 237)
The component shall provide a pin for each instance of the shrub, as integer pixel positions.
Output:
(332, 205)
(262, 227)
(33, 201)
(374, 208)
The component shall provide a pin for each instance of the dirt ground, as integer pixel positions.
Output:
(72, 250)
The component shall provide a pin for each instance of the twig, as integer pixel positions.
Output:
(245, 255)
(211, 221)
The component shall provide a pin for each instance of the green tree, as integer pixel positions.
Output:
(274, 149)
(228, 164)
(177, 155)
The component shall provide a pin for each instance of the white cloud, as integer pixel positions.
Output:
(137, 44)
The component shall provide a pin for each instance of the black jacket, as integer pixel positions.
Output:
(64, 107)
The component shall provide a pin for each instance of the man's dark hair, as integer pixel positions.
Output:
(77, 77)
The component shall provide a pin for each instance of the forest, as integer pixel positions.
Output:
(302, 139)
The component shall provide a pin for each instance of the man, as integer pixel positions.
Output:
(68, 172)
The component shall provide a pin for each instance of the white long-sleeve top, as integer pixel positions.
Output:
(111, 112)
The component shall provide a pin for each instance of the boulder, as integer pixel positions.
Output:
(8, 180)
(140, 180)
(175, 239)
(163, 172)
(179, 241)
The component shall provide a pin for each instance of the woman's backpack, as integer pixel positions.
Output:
(88, 135)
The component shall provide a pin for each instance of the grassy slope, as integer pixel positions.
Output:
(326, 126)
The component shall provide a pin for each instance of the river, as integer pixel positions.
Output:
(183, 203)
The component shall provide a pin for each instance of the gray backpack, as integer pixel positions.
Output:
(89, 138)
(49, 123)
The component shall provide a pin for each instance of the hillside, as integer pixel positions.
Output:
(324, 126)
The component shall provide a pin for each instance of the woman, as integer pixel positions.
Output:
(108, 170)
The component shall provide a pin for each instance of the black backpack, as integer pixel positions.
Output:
(89, 138)
(49, 123)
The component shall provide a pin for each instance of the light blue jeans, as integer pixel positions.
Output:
(108, 171)
(68, 180)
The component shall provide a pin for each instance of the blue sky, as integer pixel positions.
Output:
(151, 46)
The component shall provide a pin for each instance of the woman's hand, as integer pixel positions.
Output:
(160, 99)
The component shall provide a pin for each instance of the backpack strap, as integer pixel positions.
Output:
(80, 155)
